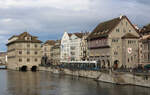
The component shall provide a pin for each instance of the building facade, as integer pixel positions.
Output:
(65, 47)
(56, 53)
(3, 57)
(24, 52)
(145, 45)
(73, 46)
(47, 49)
(84, 47)
(114, 43)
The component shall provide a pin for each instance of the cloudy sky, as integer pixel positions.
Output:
(48, 19)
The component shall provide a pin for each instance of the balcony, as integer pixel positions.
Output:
(99, 43)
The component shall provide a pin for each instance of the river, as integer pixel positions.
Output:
(45, 83)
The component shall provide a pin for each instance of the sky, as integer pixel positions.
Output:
(49, 19)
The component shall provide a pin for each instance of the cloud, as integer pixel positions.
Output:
(60, 4)
(48, 19)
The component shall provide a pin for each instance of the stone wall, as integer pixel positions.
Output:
(110, 77)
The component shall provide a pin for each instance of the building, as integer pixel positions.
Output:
(65, 47)
(115, 43)
(3, 57)
(47, 49)
(24, 52)
(56, 53)
(84, 47)
(145, 45)
(73, 46)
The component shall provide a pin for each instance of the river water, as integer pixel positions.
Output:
(45, 83)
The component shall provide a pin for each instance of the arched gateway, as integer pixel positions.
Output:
(34, 68)
(23, 68)
(116, 64)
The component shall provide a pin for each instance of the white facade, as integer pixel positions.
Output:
(70, 47)
(65, 47)
(75, 48)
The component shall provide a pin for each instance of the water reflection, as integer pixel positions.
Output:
(45, 83)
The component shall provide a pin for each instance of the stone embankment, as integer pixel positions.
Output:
(110, 77)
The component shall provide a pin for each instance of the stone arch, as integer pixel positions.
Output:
(116, 64)
(34, 68)
(24, 68)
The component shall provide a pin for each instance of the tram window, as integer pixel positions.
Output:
(94, 66)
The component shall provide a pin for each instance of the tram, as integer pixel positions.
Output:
(81, 65)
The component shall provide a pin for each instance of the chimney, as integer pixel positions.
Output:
(121, 16)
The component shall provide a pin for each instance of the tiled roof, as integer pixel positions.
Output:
(80, 35)
(145, 29)
(70, 34)
(50, 42)
(21, 38)
(104, 28)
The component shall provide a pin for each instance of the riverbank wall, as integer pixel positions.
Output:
(121, 78)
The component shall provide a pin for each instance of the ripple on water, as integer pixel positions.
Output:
(45, 83)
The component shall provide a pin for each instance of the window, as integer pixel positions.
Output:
(35, 60)
(28, 60)
(131, 42)
(72, 53)
(115, 53)
(117, 30)
(28, 45)
(28, 38)
(131, 58)
(35, 52)
(114, 40)
(28, 52)
(72, 48)
(129, 30)
(35, 45)
(20, 52)
(20, 60)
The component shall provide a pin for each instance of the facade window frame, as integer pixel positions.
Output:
(28, 52)
(20, 52)
(20, 60)
(35, 59)
(35, 52)
(28, 59)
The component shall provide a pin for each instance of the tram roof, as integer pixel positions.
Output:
(78, 62)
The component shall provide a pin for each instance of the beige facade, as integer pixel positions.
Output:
(84, 47)
(145, 45)
(24, 51)
(56, 53)
(47, 49)
(3, 57)
(115, 43)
